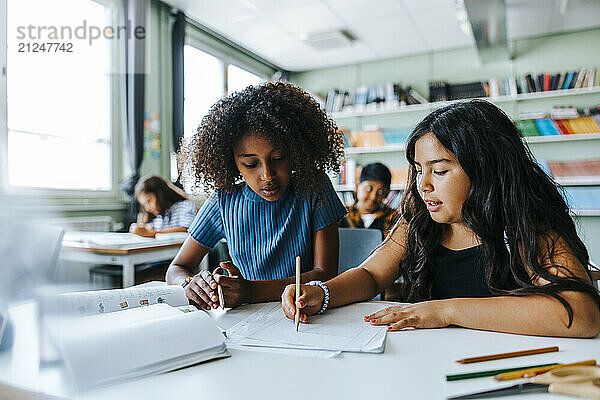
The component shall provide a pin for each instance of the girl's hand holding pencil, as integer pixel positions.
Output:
(202, 291)
(308, 303)
(235, 290)
(215, 290)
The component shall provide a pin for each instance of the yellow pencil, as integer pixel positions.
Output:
(297, 316)
(531, 372)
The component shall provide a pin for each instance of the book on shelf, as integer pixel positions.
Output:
(582, 197)
(546, 127)
(576, 168)
(438, 91)
(527, 127)
(373, 136)
(565, 120)
(369, 137)
(564, 112)
(108, 336)
(466, 90)
(399, 176)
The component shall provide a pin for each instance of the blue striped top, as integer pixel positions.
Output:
(181, 214)
(264, 237)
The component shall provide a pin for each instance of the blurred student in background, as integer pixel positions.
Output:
(369, 210)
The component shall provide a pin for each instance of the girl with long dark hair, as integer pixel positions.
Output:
(485, 240)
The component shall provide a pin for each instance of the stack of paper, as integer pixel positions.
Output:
(339, 329)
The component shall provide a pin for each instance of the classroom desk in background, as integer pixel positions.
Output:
(413, 366)
(123, 249)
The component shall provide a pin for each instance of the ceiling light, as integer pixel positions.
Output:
(329, 40)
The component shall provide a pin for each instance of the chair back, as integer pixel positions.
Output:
(355, 246)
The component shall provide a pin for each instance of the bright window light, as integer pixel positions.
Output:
(58, 103)
(203, 86)
(238, 79)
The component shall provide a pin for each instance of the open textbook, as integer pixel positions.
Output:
(340, 329)
(107, 336)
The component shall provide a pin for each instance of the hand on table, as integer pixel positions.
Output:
(310, 301)
(202, 291)
(427, 314)
(236, 289)
(144, 230)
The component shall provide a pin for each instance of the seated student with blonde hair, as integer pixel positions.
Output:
(164, 208)
(369, 210)
(485, 240)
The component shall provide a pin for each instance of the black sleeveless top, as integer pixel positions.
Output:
(459, 273)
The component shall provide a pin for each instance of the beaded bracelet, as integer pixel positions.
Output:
(187, 281)
(325, 291)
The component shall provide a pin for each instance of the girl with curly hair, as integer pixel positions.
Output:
(265, 151)
(485, 240)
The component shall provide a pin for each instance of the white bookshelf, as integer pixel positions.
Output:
(383, 109)
(578, 181)
(400, 148)
(586, 213)
(543, 147)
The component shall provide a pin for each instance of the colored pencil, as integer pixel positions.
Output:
(492, 372)
(507, 355)
(533, 371)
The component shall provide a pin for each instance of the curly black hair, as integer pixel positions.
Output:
(283, 114)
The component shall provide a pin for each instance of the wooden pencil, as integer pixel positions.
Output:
(297, 316)
(221, 299)
(531, 372)
(507, 355)
(493, 372)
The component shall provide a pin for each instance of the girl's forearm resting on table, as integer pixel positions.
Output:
(172, 230)
(176, 274)
(354, 285)
(527, 315)
(270, 290)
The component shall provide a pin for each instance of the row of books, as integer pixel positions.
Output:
(392, 95)
(561, 121)
(365, 97)
(443, 91)
(511, 86)
(376, 137)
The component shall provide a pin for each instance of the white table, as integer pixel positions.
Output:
(413, 366)
(118, 249)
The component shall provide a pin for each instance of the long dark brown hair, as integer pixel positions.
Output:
(513, 207)
(166, 194)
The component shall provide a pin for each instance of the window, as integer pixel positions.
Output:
(203, 86)
(238, 79)
(58, 133)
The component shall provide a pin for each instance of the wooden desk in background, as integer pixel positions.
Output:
(123, 249)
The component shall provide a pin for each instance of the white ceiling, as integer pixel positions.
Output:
(274, 29)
